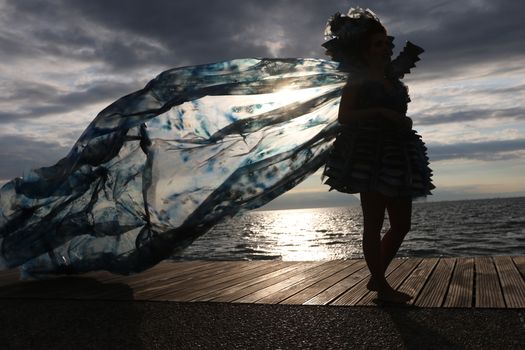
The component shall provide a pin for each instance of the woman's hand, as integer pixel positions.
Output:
(391, 115)
(407, 123)
(349, 113)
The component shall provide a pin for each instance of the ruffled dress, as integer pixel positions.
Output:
(376, 155)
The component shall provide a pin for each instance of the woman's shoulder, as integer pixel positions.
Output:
(363, 84)
(366, 85)
(355, 83)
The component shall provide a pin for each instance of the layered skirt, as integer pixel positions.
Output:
(372, 156)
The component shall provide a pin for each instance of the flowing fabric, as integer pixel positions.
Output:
(159, 167)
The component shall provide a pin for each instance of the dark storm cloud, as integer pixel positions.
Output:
(489, 150)
(36, 100)
(202, 31)
(60, 30)
(458, 34)
(22, 152)
(184, 32)
(138, 33)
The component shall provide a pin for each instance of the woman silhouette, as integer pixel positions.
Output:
(376, 154)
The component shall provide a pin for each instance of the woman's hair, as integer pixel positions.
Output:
(350, 35)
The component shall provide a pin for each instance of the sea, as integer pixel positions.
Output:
(439, 229)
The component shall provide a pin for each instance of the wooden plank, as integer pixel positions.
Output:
(356, 273)
(417, 279)
(461, 289)
(519, 261)
(9, 272)
(162, 273)
(233, 287)
(220, 269)
(512, 283)
(300, 292)
(199, 289)
(435, 290)
(488, 289)
(165, 267)
(4, 273)
(170, 279)
(233, 284)
(240, 290)
(241, 287)
(495, 281)
(300, 278)
(176, 269)
(357, 292)
(395, 278)
(172, 271)
(9, 277)
(180, 289)
(101, 276)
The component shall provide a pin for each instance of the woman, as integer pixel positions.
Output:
(376, 154)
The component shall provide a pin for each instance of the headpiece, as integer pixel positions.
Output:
(356, 22)
(346, 35)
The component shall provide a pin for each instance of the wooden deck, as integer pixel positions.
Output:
(481, 282)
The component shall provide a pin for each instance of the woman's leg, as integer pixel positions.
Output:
(400, 215)
(373, 205)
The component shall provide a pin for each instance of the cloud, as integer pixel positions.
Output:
(168, 33)
(23, 152)
(36, 100)
(461, 116)
(481, 191)
(517, 89)
(161, 33)
(468, 34)
(486, 151)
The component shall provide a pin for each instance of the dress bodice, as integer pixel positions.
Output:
(375, 94)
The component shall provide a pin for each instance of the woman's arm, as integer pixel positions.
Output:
(349, 113)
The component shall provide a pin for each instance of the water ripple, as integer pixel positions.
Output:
(460, 228)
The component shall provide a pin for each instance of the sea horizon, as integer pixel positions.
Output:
(355, 202)
(439, 229)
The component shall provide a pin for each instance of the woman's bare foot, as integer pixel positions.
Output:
(372, 285)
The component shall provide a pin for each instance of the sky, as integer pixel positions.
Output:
(62, 61)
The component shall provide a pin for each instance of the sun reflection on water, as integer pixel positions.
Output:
(303, 234)
(290, 235)
(298, 237)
